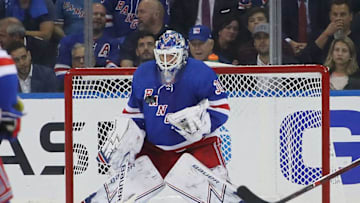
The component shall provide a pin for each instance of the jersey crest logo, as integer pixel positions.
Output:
(166, 120)
(125, 10)
(150, 99)
(130, 17)
(104, 51)
(161, 111)
(134, 24)
(120, 5)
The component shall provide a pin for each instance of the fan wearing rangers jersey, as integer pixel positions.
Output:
(122, 15)
(9, 114)
(179, 103)
(105, 45)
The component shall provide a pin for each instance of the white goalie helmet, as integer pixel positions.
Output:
(171, 53)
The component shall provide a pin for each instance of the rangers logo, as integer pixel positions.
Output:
(104, 51)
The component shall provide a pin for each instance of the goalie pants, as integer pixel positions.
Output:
(5, 189)
(207, 151)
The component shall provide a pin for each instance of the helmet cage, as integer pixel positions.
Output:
(171, 53)
(168, 59)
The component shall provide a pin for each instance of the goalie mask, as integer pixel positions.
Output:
(171, 53)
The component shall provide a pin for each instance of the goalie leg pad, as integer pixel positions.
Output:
(197, 183)
(123, 139)
(142, 183)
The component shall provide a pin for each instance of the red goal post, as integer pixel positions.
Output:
(279, 114)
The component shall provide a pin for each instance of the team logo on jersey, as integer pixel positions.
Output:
(104, 51)
(120, 5)
(161, 111)
(218, 86)
(130, 14)
(67, 6)
(166, 119)
(125, 10)
(150, 99)
(130, 17)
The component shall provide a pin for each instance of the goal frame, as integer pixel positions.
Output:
(219, 70)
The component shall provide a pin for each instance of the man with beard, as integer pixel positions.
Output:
(104, 44)
(151, 19)
(32, 77)
(145, 48)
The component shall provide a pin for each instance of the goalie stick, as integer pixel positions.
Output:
(250, 197)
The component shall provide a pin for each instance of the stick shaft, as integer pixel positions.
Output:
(321, 181)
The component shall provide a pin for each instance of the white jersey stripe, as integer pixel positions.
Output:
(132, 110)
(220, 110)
(8, 70)
(61, 66)
(218, 102)
(133, 115)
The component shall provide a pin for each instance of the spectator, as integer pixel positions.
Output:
(78, 56)
(123, 17)
(36, 15)
(42, 52)
(32, 77)
(104, 43)
(248, 4)
(69, 17)
(315, 20)
(344, 69)
(226, 39)
(262, 46)
(151, 19)
(254, 17)
(183, 16)
(201, 42)
(340, 26)
(145, 48)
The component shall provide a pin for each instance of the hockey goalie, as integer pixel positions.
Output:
(173, 114)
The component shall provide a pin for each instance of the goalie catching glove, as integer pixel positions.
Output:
(192, 122)
(122, 139)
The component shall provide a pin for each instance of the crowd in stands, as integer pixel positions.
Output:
(46, 37)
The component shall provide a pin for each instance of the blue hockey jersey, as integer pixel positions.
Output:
(122, 19)
(105, 48)
(151, 101)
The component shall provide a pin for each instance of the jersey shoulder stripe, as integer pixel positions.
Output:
(8, 69)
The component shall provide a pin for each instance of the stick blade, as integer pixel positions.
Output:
(248, 196)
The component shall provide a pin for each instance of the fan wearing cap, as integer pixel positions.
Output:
(201, 42)
(262, 46)
(262, 43)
